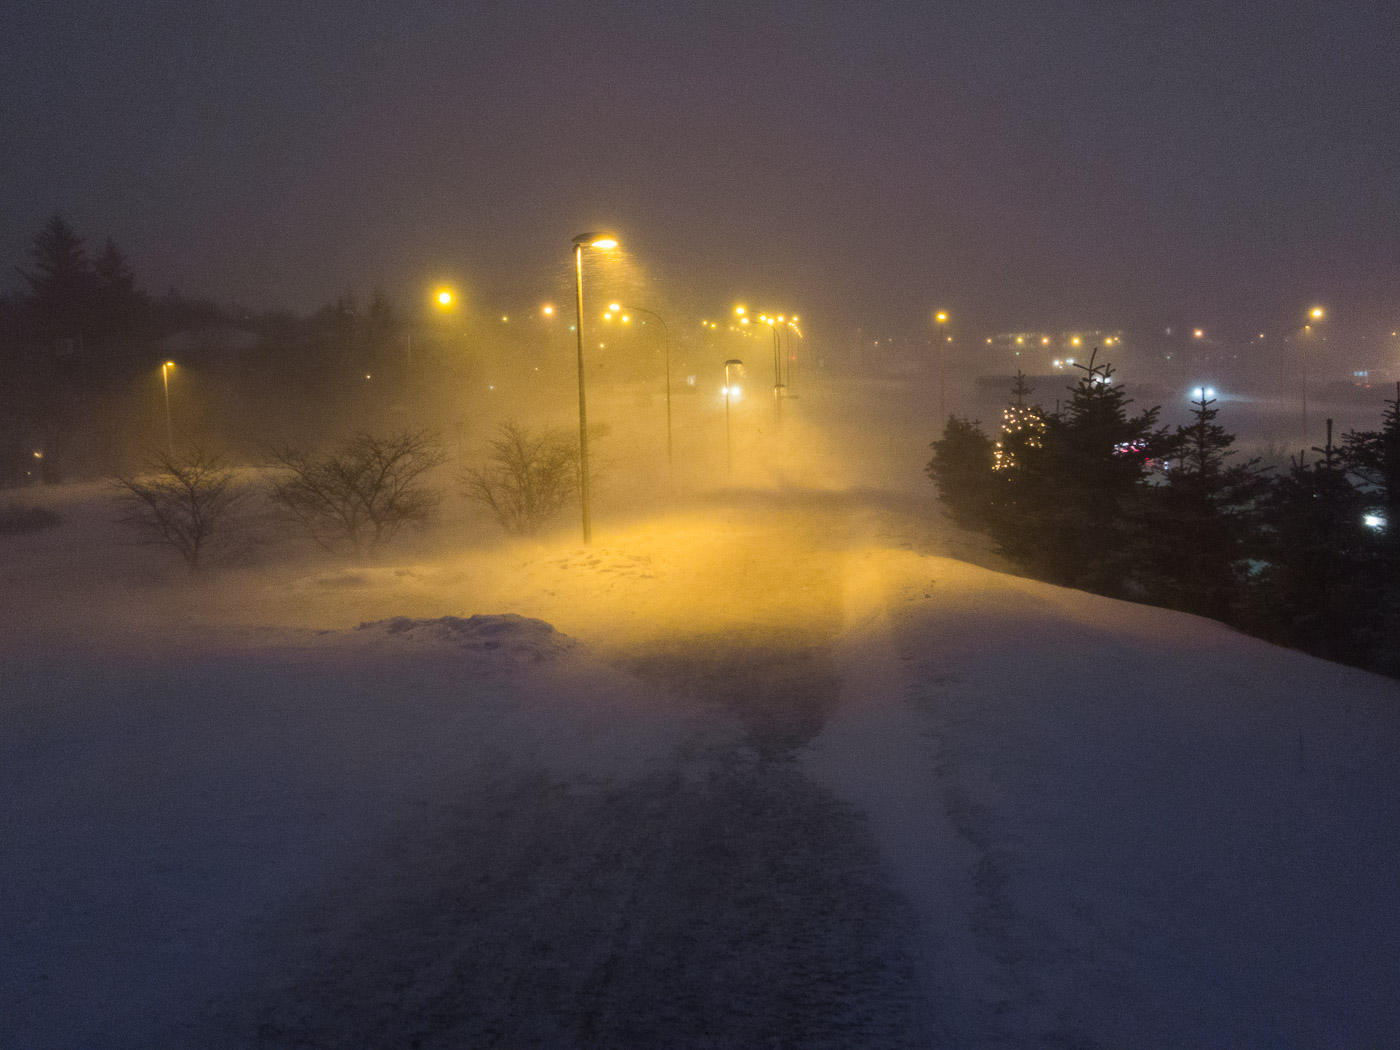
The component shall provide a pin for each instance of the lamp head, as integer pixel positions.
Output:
(595, 240)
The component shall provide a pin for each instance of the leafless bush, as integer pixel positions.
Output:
(190, 502)
(360, 494)
(529, 477)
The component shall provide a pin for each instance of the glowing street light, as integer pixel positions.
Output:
(603, 243)
(1317, 313)
(666, 333)
(772, 323)
(445, 298)
(940, 319)
(729, 391)
(169, 430)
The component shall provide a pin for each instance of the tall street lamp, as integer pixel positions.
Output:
(791, 356)
(777, 363)
(941, 319)
(666, 333)
(1315, 315)
(169, 430)
(582, 241)
(733, 362)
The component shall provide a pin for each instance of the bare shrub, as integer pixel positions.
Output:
(189, 502)
(529, 477)
(358, 496)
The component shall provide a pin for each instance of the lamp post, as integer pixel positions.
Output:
(791, 357)
(777, 367)
(733, 362)
(169, 430)
(941, 319)
(1317, 313)
(582, 241)
(666, 333)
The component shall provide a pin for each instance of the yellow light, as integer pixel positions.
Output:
(795, 319)
(625, 318)
(743, 320)
(740, 311)
(605, 243)
(607, 317)
(1317, 313)
(548, 310)
(780, 318)
(989, 342)
(444, 297)
(614, 307)
(1019, 339)
(1045, 340)
(169, 364)
(504, 318)
(1198, 333)
(940, 317)
(1074, 341)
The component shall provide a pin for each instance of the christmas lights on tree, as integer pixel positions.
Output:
(1022, 426)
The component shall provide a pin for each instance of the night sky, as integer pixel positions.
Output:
(1046, 164)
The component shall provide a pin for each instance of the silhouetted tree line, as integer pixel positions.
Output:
(1094, 497)
(82, 343)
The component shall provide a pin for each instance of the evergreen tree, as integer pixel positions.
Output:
(121, 313)
(1373, 456)
(1201, 526)
(962, 468)
(1022, 425)
(1319, 589)
(381, 330)
(60, 280)
(1067, 511)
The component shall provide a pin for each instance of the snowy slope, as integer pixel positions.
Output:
(765, 767)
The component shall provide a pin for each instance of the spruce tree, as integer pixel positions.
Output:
(1201, 525)
(1319, 586)
(1067, 510)
(121, 314)
(1022, 425)
(61, 283)
(1373, 456)
(962, 468)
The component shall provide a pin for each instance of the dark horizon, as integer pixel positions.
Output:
(1087, 167)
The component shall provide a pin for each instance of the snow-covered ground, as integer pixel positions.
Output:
(771, 764)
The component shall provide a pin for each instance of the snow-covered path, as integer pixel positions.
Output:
(801, 781)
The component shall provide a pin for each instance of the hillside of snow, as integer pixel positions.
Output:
(771, 764)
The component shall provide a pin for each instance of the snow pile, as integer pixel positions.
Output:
(508, 634)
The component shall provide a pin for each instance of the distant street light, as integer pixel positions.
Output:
(941, 319)
(728, 389)
(582, 241)
(772, 323)
(169, 430)
(666, 334)
(1317, 313)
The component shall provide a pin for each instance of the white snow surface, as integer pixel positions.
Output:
(769, 765)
